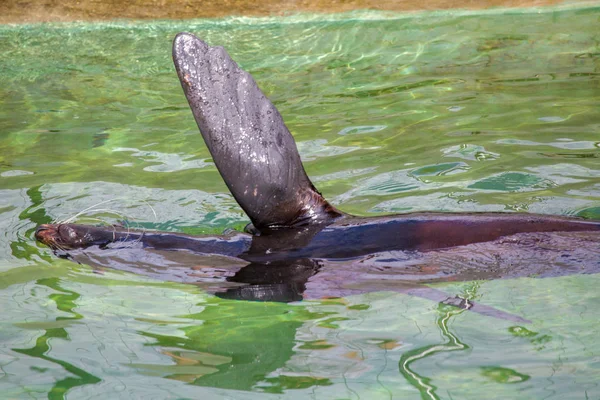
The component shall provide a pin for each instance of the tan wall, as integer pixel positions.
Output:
(22, 11)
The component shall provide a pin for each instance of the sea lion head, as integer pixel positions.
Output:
(72, 236)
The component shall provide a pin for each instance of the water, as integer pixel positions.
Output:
(446, 111)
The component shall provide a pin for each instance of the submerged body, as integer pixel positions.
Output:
(300, 235)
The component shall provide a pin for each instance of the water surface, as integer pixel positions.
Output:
(443, 111)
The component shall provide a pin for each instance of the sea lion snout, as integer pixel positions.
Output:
(46, 234)
(43, 230)
(58, 236)
(69, 236)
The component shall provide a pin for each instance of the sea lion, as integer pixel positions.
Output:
(295, 230)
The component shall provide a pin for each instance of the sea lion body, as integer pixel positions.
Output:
(347, 237)
(299, 235)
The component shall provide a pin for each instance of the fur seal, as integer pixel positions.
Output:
(296, 231)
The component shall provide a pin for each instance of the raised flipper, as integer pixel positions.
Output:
(251, 146)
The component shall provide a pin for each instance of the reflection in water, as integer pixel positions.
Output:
(421, 383)
(233, 345)
(189, 365)
(270, 347)
(503, 375)
(35, 213)
(207, 355)
(65, 301)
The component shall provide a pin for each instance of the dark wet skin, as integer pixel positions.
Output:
(303, 246)
(347, 237)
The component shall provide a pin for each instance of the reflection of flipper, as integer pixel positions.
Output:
(251, 146)
(281, 281)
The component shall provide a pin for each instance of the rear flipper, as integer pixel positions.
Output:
(251, 146)
(443, 298)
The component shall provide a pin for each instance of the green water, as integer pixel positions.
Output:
(487, 111)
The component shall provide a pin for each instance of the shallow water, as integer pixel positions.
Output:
(470, 111)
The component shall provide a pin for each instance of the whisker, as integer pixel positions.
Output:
(137, 240)
(125, 226)
(56, 246)
(92, 207)
(107, 210)
(152, 209)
